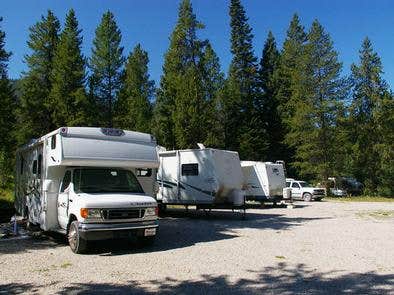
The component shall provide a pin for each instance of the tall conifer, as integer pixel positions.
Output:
(106, 64)
(36, 108)
(68, 77)
(133, 109)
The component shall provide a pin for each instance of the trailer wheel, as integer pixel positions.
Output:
(307, 197)
(77, 244)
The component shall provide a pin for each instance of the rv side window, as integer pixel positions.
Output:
(295, 184)
(66, 181)
(39, 163)
(35, 167)
(53, 142)
(144, 172)
(189, 169)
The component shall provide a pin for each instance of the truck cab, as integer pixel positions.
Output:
(96, 203)
(302, 190)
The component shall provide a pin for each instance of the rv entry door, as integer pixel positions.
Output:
(63, 200)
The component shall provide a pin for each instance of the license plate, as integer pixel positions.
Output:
(150, 232)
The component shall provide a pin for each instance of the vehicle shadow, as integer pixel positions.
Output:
(180, 229)
(279, 279)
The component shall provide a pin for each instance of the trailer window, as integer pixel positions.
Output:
(53, 142)
(39, 163)
(144, 172)
(35, 167)
(190, 169)
(66, 181)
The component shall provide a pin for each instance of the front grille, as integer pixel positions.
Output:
(318, 192)
(123, 213)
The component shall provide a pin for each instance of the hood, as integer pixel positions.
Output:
(115, 200)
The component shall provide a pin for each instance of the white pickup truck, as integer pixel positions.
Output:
(301, 190)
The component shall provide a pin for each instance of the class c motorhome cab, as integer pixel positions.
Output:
(89, 183)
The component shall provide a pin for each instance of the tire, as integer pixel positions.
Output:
(307, 197)
(77, 244)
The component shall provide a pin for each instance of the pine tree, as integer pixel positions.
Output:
(106, 64)
(180, 99)
(133, 108)
(68, 77)
(317, 99)
(286, 78)
(213, 80)
(7, 118)
(241, 115)
(36, 109)
(268, 106)
(370, 116)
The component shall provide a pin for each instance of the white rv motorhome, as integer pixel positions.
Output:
(89, 183)
(265, 181)
(205, 177)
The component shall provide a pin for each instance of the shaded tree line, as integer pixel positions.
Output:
(291, 103)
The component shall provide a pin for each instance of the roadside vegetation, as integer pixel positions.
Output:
(365, 198)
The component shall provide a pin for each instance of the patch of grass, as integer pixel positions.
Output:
(280, 257)
(6, 199)
(65, 265)
(380, 214)
(360, 199)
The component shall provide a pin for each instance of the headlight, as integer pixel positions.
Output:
(151, 211)
(90, 213)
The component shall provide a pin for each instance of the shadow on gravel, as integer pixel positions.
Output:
(37, 242)
(281, 279)
(181, 229)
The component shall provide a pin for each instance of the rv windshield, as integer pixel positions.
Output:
(98, 180)
(304, 184)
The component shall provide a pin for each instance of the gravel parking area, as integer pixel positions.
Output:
(315, 248)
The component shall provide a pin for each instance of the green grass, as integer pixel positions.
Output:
(360, 199)
(380, 214)
(6, 199)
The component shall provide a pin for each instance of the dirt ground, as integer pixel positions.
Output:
(315, 248)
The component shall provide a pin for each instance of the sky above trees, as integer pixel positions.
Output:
(151, 23)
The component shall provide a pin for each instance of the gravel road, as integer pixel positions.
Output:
(315, 248)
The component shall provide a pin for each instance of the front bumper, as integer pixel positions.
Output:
(103, 231)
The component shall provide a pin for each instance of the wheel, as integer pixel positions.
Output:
(77, 244)
(307, 197)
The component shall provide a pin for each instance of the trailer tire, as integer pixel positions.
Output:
(77, 244)
(307, 197)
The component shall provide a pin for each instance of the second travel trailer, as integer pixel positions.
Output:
(83, 182)
(265, 182)
(207, 178)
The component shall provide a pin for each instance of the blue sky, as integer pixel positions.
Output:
(150, 22)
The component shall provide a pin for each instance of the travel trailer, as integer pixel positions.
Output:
(89, 183)
(207, 178)
(265, 181)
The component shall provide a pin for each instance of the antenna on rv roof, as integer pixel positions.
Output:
(201, 146)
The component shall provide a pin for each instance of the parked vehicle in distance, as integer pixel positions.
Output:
(207, 178)
(84, 182)
(265, 182)
(344, 186)
(301, 190)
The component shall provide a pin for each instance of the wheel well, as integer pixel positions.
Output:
(70, 220)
